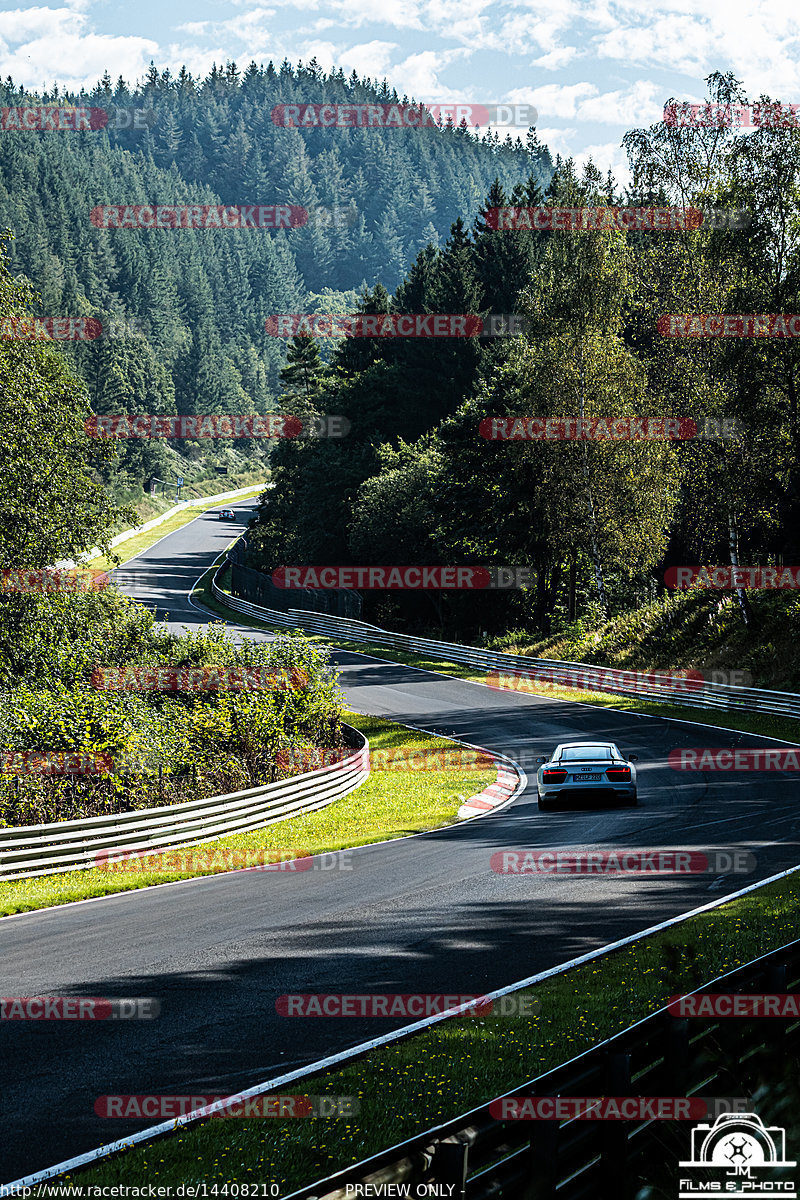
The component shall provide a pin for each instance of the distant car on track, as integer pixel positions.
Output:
(586, 770)
(227, 514)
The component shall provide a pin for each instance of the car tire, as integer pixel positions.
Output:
(543, 805)
(633, 801)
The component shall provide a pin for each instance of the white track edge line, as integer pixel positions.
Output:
(374, 1043)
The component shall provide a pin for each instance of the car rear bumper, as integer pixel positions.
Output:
(589, 791)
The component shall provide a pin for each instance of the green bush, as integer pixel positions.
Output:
(148, 747)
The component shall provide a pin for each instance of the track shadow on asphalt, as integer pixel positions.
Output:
(219, 1031)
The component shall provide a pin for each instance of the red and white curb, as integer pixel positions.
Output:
(497, 793)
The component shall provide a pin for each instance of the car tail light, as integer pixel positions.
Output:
(554, 776)
(618, 774)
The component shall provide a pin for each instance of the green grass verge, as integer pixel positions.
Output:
(446, 1070)
(390, 804)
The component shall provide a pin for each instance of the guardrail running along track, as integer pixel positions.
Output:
(478, 1157)
(31, 850)
(667, 689)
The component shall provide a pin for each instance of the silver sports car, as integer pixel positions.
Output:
(586, 770)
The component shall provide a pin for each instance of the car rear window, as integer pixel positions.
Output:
(584, 753)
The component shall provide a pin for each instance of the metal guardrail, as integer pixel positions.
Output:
(30, 850)
(666, 689)
(358, 1053)
(480, 1157)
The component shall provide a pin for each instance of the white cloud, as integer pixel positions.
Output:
(367, 58)
(195, 28)
(558, 141)
(561, 100)
(55, 44)
(554, 60)
(640, 104)
(418, 76)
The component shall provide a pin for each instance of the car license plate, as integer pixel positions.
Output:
(587, 778)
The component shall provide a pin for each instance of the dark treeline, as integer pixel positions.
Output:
(416, 483)
(200, 298)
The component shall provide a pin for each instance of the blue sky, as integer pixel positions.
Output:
(592, 68)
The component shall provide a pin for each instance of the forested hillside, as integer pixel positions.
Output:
(598, 521)
(200, 297)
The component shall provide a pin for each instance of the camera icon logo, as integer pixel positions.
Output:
(738, 1141)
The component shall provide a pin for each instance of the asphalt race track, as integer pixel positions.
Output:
(423, 914)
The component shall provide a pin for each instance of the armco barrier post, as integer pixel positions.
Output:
(676, 1059)
(542, 1161)
(614, 1154)
(449, 1166)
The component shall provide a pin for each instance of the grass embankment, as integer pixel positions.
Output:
(695, 630)
(392, 803)
(446, 1070)
(783, 728)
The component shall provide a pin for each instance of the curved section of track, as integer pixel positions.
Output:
(422, 914)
